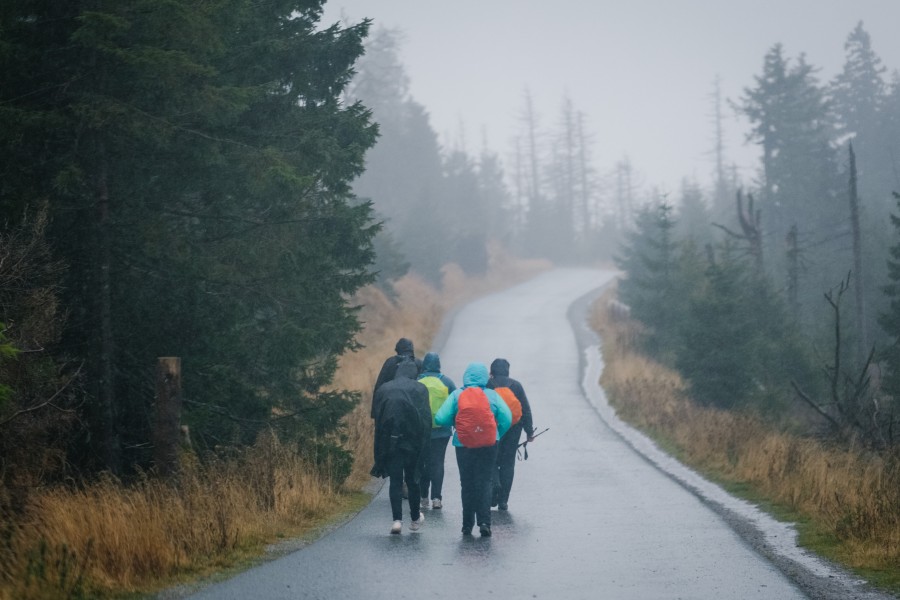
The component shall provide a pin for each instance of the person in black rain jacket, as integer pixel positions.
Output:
(509, 443)
(402, 428)
(404, 352)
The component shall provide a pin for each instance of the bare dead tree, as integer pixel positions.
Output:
(751, 228)
(853, 409)
(793, 262)
(862, 334)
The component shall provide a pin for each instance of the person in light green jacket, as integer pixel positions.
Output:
(439, 387)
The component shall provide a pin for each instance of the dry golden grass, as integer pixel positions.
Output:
(851, 494)
(416, 314)
(107, 537)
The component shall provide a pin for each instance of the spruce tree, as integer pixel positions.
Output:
(790, 117)
(197, 159)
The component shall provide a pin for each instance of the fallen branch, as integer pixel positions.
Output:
(815, 406)
(46, 403)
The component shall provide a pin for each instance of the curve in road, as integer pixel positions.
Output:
(590, 517)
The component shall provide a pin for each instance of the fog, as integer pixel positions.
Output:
(642, 71)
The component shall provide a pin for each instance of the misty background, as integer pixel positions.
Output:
(642, 72)
(738, 162)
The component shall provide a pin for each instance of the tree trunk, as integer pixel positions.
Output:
(167, 430)
(862, 334)
(793, 260)
(106, 385)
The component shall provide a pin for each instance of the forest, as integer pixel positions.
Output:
(217, 181)
(792, 298)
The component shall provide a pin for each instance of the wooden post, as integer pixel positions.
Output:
(167, 433)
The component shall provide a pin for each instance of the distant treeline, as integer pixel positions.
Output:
(775, 293)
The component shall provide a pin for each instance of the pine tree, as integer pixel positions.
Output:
(790, 118)
(404, 176)
(653, 289)
(789, 115)
(694, 219)
(197, 159)
(858, 91)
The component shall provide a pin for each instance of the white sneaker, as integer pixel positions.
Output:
(436, 503)
(397, 526)
(414, 526)
(424, 505)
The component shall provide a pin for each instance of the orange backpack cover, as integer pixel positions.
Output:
(515, 407)
(476, 426)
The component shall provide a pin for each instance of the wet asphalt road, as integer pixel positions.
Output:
(588, 516)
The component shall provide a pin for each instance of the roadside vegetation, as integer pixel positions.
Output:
(757, 334)
(243, 191)
(111, 537)
(845, 497)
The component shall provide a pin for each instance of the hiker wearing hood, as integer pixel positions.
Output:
(439, 388)
(402, 426)
(479, 417)
(509, 443)
(404, 352)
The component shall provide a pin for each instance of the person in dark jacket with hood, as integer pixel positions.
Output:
(402, 427)
(439, 387)
(404, 352)
(509, 443)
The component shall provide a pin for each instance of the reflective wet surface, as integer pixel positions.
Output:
(589, 517)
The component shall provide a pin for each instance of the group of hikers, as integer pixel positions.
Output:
(418, 410)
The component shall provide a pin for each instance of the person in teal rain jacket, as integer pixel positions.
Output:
(476, 464)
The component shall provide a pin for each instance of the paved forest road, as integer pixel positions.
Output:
(589, 517)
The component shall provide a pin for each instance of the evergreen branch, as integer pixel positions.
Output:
(224, 412)
(167, 123)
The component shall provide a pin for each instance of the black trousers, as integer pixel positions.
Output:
(433, 467)
(403, 466)
(506, 464)
(476, 466)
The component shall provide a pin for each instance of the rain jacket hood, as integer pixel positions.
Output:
(500, 378)
(475, 374)
(431, 363)
(404, 347)
(407, 369)
(500, 367)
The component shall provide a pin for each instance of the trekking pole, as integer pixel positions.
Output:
(524, 445)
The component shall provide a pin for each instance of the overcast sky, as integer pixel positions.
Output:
(642, 71)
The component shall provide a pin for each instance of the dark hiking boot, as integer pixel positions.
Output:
(484, 530)
(503, 506)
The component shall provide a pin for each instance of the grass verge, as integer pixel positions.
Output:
(844, 500)
(107, 539)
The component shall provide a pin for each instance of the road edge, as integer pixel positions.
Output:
(816, 576)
